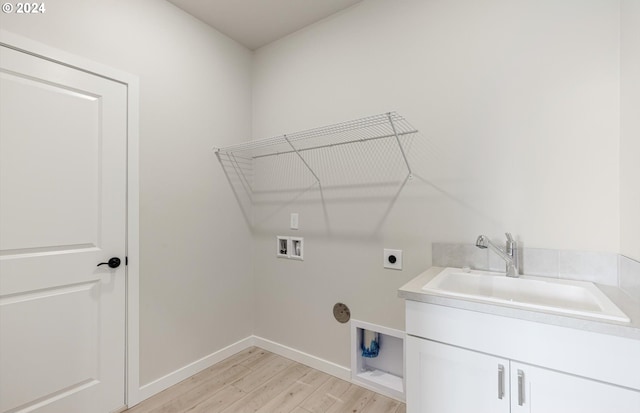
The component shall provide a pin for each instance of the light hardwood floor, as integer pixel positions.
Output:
(256, 380)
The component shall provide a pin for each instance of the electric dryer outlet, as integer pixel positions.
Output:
(392, 259)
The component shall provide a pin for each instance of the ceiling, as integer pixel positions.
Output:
(255, 23)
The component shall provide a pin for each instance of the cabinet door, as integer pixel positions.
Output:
(538, 390)
(448, 379)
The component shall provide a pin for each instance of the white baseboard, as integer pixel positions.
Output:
(189, 370)
(317, 363)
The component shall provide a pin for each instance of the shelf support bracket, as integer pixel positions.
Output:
(238, 168)
(404, 156)
(302, 159)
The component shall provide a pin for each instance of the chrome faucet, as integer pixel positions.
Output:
(509, 255)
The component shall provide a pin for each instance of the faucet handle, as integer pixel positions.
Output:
(511, 244)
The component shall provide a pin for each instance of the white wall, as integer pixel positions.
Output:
(518, 106)
(195, 290)
(630, 131)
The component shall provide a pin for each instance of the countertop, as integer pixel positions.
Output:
(413, 291)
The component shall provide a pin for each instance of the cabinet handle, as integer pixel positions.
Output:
(520, 387)
(500, 381)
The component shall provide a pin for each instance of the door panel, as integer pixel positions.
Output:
(448, 379)
(62, 211)
(53, 324)
(39, 207)
(547, 391)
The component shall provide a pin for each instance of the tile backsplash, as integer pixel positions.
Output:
(599, 267)
(460, 255)
(629, 276)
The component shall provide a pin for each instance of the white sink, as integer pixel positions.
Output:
(562, 296)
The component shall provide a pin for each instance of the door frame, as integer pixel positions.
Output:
(131, 391)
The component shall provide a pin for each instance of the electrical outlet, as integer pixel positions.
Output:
(392, 259)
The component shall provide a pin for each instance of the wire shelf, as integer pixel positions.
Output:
(241, 157)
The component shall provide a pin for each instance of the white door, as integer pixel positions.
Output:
(62, 212)
(448, 379)
(538, 390)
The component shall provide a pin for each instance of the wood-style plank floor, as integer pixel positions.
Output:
(258, 381)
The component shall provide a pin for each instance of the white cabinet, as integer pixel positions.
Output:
(538, 390)
(446, 379)
(460, 361)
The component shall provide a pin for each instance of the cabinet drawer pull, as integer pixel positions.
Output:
(520, 387)
(500, 381)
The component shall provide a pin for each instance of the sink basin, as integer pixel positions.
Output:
(579, 298)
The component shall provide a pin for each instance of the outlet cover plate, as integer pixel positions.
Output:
(397, 258)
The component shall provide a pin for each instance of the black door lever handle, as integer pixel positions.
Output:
(112, 263)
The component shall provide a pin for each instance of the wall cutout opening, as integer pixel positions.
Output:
(383, 373)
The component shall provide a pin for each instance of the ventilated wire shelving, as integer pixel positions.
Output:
(390, 126)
